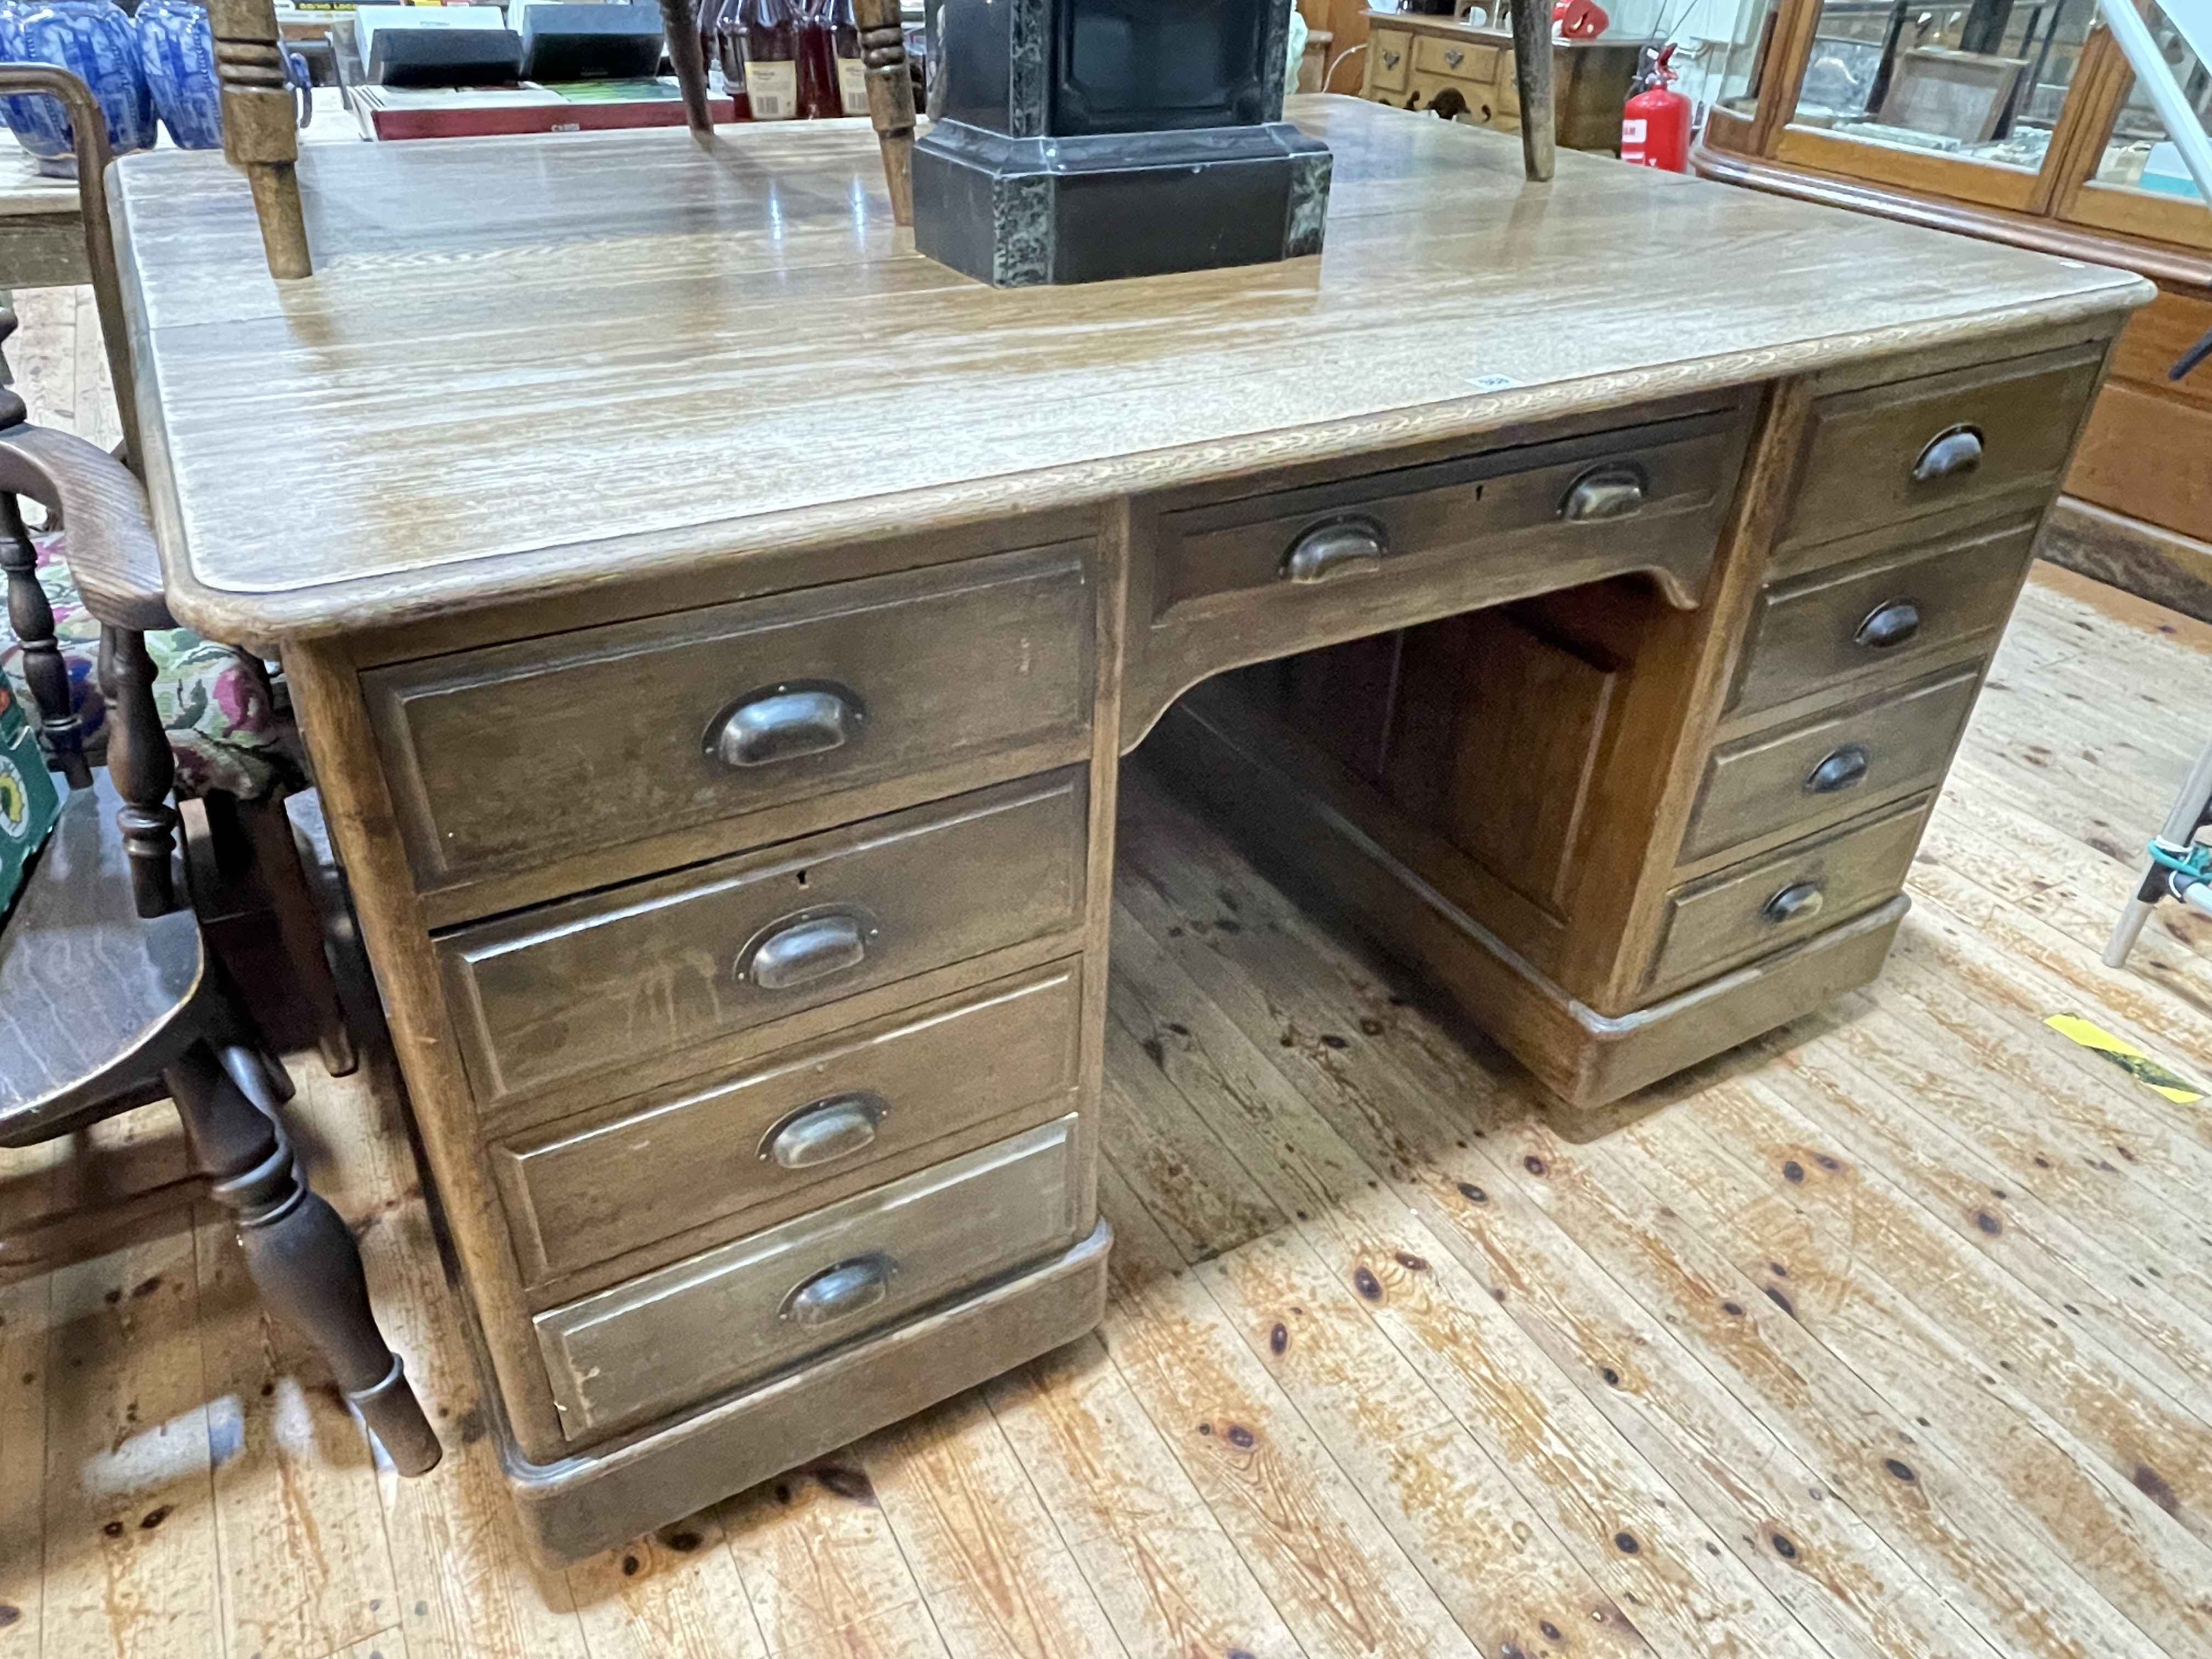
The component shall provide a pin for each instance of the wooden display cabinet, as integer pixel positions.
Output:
(2020, 125)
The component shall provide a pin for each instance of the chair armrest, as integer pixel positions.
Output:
(111, 532)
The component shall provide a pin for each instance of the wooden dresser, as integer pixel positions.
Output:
(718, 632)
(1414, 62)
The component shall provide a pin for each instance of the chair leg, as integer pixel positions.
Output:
(891, 98)
(300, 1255)
(300, 926)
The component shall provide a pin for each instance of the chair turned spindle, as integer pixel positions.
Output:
(891, 98)
(140, 762)
(31, 619)
(260, 127)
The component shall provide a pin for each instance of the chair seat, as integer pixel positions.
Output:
(90, 990)
(214, 702)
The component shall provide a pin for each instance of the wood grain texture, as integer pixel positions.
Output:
(1641, 1373)
(1073, 395)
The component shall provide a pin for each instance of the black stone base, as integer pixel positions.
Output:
(1021, 211)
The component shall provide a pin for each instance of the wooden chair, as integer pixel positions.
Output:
(235, 753)
(109, 994)
(260, 137)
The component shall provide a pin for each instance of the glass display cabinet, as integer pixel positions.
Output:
(2019, 121)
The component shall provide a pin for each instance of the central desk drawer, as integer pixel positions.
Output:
(1459, 59)
(1825, 769)
(733, 1314)
(512, 755)
(1646, 498)
(654, 966)
(586, 1189)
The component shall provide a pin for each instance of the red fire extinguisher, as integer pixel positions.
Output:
(1655, 124)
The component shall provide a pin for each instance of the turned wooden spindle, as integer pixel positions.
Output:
(1531, 81)
(31, 619)
(679, 21)
(890, 97)
(260, 127)
(143, 769)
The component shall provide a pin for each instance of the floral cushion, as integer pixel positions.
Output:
(214, 700)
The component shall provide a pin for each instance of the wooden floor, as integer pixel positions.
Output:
(1891, 1336)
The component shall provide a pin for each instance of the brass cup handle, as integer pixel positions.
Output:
(1887, 626)
(1801, 900)
(1615, 490)
(1841, 768)
(825, 1130)
(1331, 552)
(1951, 453)
(782, 722)
(839, 1293)
(801, 950)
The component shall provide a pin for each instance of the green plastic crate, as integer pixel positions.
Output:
(29, 802)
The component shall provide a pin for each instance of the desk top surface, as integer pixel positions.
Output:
(526, 365)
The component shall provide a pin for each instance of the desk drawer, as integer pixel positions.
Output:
(733, 1314)
(509, 757)
(1748, 911)
(1646, 497)
(1392, 54)
(653, 966)
(1817, 771)
(1455, 59)
(586, 1189)
(1849, 619)
(1894, 452)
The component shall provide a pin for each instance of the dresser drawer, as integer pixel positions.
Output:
(1851, 619)
(1748, 911)
(1820, 770)
(1647, 497)
(1892, 453)
(586, 1189)
(1458, 59)
(514, 755)
(1391, 50)
(733, 1314)
(653, 966)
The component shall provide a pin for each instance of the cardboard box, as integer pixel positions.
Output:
(29, 802)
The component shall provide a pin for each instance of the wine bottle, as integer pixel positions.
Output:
(769, 31)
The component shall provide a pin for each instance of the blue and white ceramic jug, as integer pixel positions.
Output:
(176, 48)
(96, 41)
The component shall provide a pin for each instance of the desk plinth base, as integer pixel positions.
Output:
(608, 1496)
(1017, 212)
(1585, 1058)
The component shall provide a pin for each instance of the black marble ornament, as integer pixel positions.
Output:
(1078, 140)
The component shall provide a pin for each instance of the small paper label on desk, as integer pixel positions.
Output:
(1495, 382)
(774, 90)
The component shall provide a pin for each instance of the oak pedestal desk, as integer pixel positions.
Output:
(718, 631)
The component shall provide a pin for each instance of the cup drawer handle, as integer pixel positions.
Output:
(1801, 900)
(1889, 625)
(1330, 552)
(1840, 769)
(782, 722)
(807, 948)
(1613, 491)
(1951, 453)
(840, 1291)
(824, 1131)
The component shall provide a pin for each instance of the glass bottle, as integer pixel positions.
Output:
(818, 63)
(769, 31)
(851, 73)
